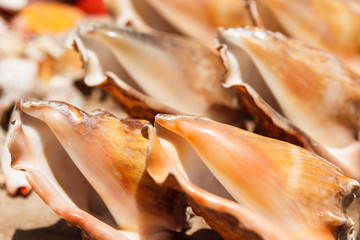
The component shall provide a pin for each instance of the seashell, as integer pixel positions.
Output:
(90, 169)
(332, 25)
(270, 189)
(321, 92)
(124, 13)
(263, 119)
(11, 44)
(13, 6)
(48, 71)
(14, 83)
(137, 104)
(175, 71)
(51, 76)
(196, 19)
(30, 21)
(15, 181)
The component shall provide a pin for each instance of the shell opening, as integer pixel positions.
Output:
(241, 62)
(107, 59)
(52, 161)
(191, 164)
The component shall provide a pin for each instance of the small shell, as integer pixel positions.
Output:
(90, 168)
(278, 190)
(42, 18)
(15, 181)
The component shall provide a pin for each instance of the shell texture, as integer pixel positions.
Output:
(106, 181)
(263, 117)
(197, 19)
(331, 25)
(41, 68)
(134, 175)
(312, 88)
(15, 181)
(177, 72)
(304, 193)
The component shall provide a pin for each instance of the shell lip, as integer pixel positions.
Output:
(169, 174)
(354, 193)
(34, 107)
(230, 36)
(90, 28)
(47, 187)
(162, 117)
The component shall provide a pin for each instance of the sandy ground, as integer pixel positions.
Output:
(30, 219)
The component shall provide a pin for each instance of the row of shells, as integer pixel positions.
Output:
(247, 112)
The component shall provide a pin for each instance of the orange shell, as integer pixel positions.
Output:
(48, 18)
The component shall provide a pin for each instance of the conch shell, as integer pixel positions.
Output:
(312, 88)
(270, 189)
(15, 181)
(196, 19)
(330, 25)
(90, 169)
(175, 71)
